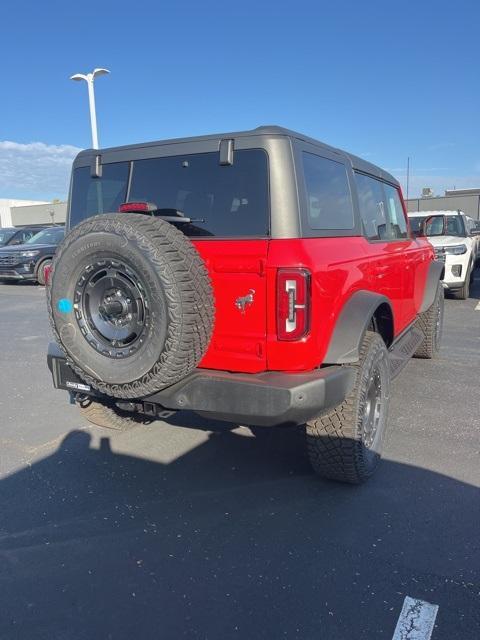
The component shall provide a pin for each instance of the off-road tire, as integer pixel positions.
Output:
(177, 287)
(335, 441)
(427, 323)
(109, 416)
(41, 272)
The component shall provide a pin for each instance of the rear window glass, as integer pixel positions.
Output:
(222, 201)
(329, 204)
(90, 196)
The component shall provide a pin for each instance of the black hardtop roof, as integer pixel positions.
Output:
(265, 130)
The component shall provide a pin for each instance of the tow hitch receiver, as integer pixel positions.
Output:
(150, 409)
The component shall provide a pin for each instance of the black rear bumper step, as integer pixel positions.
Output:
(264, 399)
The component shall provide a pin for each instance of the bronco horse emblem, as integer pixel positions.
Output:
(245, 301)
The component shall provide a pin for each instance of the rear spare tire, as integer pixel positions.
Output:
(130, 303)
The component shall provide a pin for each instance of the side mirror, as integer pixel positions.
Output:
(433, 226)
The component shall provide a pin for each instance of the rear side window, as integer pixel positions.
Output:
(381, 209)
(221, 201)
(471, 225)
(329, 203)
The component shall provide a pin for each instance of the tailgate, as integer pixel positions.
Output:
(238, 272)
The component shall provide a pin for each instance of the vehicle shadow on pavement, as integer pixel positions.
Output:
(234, 539)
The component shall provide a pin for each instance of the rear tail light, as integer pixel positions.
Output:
(137, 207)
(293, 303)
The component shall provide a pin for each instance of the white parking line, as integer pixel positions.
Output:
(416, 620)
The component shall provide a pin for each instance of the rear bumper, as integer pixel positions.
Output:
(265, 399)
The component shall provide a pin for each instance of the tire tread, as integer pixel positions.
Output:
(333, 440)
(426, 322)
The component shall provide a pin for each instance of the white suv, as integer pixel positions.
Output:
(456, 241)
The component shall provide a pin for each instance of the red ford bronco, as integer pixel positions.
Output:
(261, 278)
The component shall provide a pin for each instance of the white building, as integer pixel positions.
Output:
(5, 209)
(467, 200)
(18, 213)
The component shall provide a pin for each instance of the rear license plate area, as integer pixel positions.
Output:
(67, 379)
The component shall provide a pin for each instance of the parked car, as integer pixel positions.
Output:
(262, 278)
(28, 261)
(10, 236)
(456, 242)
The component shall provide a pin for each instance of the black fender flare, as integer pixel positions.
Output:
(351, 325)
(436, 272)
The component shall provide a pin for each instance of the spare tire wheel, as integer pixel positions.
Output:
(131, 303)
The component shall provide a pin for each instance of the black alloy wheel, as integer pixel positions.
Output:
(112, 307)
(372, 410)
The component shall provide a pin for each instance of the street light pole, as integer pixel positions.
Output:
(408, 174)
(89, 79)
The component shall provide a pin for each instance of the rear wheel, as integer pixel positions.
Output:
(346, 443)
(109, 416)
(430, 323)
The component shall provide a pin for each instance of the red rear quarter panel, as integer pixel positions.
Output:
(339, 267)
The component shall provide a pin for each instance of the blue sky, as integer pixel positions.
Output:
(383, 80)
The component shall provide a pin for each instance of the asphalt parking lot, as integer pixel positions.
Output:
(192, 529)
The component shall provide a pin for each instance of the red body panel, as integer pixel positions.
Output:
(246, 340)
(237, 268)
(339, 266)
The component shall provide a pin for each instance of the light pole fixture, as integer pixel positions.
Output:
(89, 78)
